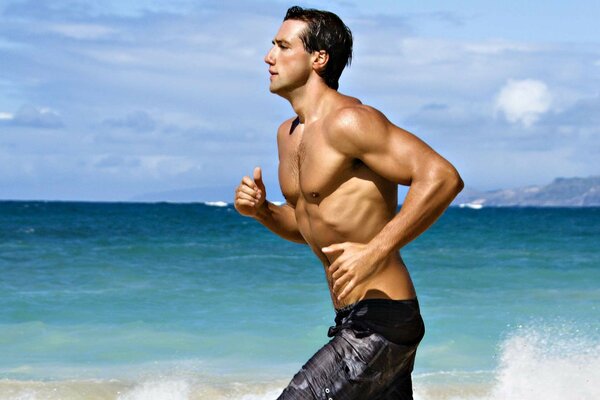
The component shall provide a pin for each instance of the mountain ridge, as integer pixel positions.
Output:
(561, 192)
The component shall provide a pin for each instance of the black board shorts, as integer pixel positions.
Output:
(370, 357)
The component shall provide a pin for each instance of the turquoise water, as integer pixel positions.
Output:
(200, 301)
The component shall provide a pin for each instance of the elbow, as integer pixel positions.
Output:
(457, 182)
(296, 237)
(449, 179)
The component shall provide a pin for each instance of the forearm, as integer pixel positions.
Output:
(280, 220)
(425, 202)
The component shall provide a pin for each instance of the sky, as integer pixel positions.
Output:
(110, 100)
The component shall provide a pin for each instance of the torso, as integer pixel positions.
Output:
(338, 199)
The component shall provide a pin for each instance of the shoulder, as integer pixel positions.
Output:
(355, 116)
(355, 127)
(286, 127)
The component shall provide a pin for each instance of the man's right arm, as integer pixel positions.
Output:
(250, 201)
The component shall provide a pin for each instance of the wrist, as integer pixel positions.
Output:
(380, 248)
(262, 211)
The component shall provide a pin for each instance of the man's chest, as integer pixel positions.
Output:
(309, 167)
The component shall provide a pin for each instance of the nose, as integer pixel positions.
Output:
(269, 57)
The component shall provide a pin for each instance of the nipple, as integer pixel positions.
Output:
(314, 195)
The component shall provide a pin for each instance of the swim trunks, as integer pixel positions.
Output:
(370, 357)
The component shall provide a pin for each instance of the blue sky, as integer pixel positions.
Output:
(108, 100)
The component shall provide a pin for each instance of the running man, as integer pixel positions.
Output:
(340, 164)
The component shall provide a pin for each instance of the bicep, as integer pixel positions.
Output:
(391, 152)
(398, 155)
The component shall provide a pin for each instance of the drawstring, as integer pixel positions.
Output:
(345, 322)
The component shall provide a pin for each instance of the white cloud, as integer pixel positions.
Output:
(533, 166)
(83, 31)
(145, 166)
(524, 101)
(139, 121)
(497, 47)
(112, 56)
(33, 117)
(426, 51)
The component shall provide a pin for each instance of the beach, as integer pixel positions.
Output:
(192, 301)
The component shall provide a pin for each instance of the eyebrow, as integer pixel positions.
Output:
(281, 41)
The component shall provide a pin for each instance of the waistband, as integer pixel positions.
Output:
(379, 303)
(376, 315)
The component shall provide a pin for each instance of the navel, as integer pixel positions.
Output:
(314, 195)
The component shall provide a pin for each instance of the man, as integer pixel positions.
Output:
(340, 164)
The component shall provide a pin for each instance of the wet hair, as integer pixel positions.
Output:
(325, 31)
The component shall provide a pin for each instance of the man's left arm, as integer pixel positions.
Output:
(398, 156)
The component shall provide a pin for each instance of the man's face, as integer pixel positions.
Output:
(289, 64)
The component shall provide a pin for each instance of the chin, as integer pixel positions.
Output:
(281, 90)
(275, 89)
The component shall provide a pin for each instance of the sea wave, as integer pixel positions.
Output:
(549, 363)
(543, 362)
(159, 388)
(215, 203)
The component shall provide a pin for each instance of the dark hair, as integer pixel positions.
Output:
(325, 31)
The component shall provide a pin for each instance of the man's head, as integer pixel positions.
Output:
(325, 31)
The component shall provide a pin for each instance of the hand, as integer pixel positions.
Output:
(250, 195)
(356, 263)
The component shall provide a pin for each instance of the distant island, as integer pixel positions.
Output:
(561, 192)
(210, 194)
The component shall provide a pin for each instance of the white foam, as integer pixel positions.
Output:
(151, 388)
(25, 395)
(216, 203)
(474, 206)
(196, 389)
(269, 395)
(161, 390)
(549, 363)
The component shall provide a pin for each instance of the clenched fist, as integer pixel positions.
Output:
(250, 195)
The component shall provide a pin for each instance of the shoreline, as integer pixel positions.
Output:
(179, 388)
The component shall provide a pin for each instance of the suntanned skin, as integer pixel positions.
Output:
(340, 164)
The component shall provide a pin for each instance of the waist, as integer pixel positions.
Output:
(399, 321)
(390, 281)
(388, 305)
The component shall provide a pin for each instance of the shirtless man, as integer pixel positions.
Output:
(340, 164)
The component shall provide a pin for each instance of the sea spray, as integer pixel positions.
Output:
(537, 362)
(549, 363)
(158, 388)
(161, 390)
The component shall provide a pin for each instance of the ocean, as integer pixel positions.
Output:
(165, 301)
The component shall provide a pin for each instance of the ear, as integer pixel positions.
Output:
(320, 60)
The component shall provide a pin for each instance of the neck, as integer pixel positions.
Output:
(309, 100)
